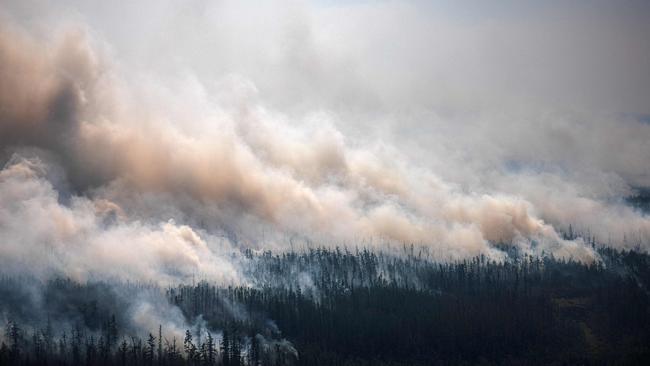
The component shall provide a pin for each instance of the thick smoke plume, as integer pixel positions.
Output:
(244, 164)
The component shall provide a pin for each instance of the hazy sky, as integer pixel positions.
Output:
(452, 126)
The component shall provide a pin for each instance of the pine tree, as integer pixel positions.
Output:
(225, 348)
(235, 346)
(104, 351)
(150, 349)
(209, 350)
(160, 349)
(91, 351)
(254, 354)
(136, 350)
(122, 350)
(75, 345)
(47, 338)
(111, 332)
(14, 334)
(37, 345)
(63, 347)
(190, 348)
(172, 351)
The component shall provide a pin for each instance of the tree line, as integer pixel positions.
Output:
(361, 307)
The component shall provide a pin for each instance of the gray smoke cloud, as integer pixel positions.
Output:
(182, 132)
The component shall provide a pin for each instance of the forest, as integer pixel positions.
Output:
(340, 307)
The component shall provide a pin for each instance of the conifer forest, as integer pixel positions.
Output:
(334, 307)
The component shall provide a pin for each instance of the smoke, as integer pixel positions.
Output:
(88, 239)
(311, 127)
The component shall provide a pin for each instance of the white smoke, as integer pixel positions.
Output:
(251, 126)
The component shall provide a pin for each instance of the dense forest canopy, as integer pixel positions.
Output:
(332, 307)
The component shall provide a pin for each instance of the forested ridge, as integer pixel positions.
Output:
(341, 307)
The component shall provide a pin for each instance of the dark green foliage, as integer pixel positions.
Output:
(363, 308)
